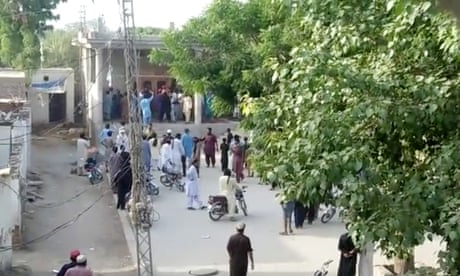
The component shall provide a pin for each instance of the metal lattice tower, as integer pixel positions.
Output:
(141, 207)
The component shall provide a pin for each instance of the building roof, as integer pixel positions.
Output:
(12, 84)
(7, 73)
(115, 41)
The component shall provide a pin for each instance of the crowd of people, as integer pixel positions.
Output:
(181, 153)
(163, 104)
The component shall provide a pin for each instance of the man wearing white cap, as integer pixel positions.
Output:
(240, 250)
(80, 269)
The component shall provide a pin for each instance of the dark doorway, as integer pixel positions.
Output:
(161, 84)
(147, 84)
(57, 107)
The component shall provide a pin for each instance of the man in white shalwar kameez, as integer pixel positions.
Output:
(165, 155)
(177, 153)
(191, 187)
(122, 141)
(82, 152)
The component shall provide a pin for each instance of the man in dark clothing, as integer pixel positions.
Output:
(123, 180)
(300, 213)
(348, 256)
(73, 262)
(224, 148)
(229, 136)
(165, 107)
(239, 250)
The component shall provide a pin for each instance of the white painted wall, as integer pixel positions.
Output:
(39, 102)
(10, 201)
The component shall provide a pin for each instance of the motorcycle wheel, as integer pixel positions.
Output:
(213, 215)
(98, 174)
(244, 207)
(156, 191)
(326, 217)
(92, 180)
(164, 179)
(181, 187)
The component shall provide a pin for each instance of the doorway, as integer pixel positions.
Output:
(161, 84)
(57, 107)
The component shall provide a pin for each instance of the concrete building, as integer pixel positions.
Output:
(103, 66)
(52, 95)
(15, 145)
(12, 85)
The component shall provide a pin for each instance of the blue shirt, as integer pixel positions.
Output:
(104, 134)
(187, 143)
(145, 106)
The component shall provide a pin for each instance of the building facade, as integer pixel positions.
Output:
(51, 95)
(103, 66)
(15, 147)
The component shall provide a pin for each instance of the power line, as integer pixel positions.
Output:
(68, 223)
(142, 212)
(75, 111)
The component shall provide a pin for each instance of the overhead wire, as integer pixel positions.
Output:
(88, 89)
(68, 223)
(51, 205)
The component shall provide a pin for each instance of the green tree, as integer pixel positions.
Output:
(217, 51)
(58, 50)
(368, 104)
(21, 25)
(148, 31)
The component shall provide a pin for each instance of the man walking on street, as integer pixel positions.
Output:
(210, 148)
(240, 250)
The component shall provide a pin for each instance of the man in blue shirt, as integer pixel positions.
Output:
(104, 133)
(187, 143)
(145, 107)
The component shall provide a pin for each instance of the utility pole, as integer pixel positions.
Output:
(82, 13)
(141, 206)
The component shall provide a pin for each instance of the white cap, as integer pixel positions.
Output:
(169, 131)
(81, 259)
(240, 226)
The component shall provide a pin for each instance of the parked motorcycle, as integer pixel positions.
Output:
(324, 269)
(218, 206)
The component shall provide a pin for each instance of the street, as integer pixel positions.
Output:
(97, 233)
(182, 240)
(185, 240)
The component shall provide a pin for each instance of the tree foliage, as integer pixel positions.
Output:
(217, 51)
(148, 31)
(58, 50)
(375, 93)
(21, 25)
(359, 95)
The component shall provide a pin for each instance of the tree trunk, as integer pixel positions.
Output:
(402, 266)
(366, 260)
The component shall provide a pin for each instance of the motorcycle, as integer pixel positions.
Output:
(324, 269)
(171, 179)
(328, 214)
(218, 206)
(94, 172)
(152, 188)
